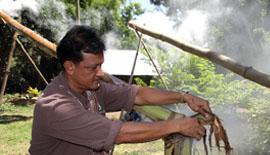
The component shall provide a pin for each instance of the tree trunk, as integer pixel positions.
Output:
(78, 14)
(245, 71)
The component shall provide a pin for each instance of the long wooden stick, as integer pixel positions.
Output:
(245, 71)
(152, 61)
(135, 60)
(44, 44)
(31, 61)
(7, 70)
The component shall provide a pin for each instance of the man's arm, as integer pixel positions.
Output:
(134, 132)
(152, 96)
(149, 96)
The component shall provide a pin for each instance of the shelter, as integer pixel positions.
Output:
(119, 63)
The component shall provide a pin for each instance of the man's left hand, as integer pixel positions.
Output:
(197, 104)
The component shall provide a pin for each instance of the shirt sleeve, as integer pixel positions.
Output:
(117, 97)
(69, 121)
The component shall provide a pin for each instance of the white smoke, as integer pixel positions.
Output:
(194, 27)
(215, 24)
(51, 14)
(156, 21)
(47, 17)
(13, 7)
(111, 40)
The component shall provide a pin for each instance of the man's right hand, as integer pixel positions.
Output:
(190, 127)
(137, 132)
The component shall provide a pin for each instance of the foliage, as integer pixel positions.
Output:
(33, 92)
(129, 12)
(6, 108)
(139, 81)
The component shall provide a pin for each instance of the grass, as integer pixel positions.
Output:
(149, 148)
(15, 133)
(15, 128)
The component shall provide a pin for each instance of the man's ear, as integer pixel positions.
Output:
(69, 67)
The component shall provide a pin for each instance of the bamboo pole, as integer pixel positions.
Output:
(7, 70)
(44, 44)
(245, 71)
(31, 61)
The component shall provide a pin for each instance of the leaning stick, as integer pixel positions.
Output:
(245, 71)
(7, 71)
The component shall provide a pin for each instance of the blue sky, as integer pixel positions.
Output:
(145, 4)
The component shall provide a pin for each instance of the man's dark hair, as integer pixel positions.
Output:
(79, 39)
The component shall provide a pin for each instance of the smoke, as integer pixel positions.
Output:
(53, 15)
(13, 7)
(194, 27)
(157, 21)
(43, 12)
(111, 40)
(234, 28)
(238, 128)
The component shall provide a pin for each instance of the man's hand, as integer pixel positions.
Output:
(190, 127)
(197, 104)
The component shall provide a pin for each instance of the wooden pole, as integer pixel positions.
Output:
(245, 71)
(31, 61)
(152, 61)
(44, 44)
(135, 60)
(7, 70)
(78, 14)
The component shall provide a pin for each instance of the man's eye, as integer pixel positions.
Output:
(91, 68)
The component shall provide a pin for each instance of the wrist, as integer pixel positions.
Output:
(183, 97)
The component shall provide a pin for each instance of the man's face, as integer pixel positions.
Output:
(87, 73)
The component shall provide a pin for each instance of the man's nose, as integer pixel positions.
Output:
(100, 72)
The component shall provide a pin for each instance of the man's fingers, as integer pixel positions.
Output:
(200, 132)
(203, 112)
(207, 107)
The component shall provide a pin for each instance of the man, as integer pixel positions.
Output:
(69, 115)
